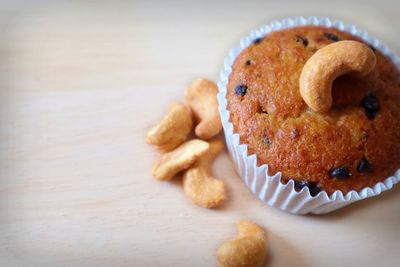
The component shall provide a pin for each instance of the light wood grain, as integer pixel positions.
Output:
(82, 82)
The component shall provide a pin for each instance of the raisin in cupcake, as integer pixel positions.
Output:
(311, 135)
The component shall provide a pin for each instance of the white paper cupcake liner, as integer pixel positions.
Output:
(268, 188)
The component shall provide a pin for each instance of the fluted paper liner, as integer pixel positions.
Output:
(268, 188)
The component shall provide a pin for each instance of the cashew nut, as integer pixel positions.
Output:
(327, 64)
(203, 189)
(201, 96)
(248, 250)
(173, 129)
(179, 159)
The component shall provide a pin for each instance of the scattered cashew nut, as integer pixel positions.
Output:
(203, 189)
(327, 64)
(248, 250)
(179, 159)
(201, 96)
(173, 129)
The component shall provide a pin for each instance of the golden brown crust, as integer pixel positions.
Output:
(271, 117)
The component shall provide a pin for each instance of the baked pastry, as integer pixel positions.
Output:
(353, 145)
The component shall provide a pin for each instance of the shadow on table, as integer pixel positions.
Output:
(363, 205)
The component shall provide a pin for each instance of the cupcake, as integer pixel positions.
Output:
(292, 149)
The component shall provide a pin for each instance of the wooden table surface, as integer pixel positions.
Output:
(82, 82)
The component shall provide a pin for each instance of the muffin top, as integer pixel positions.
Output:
(353, 145)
